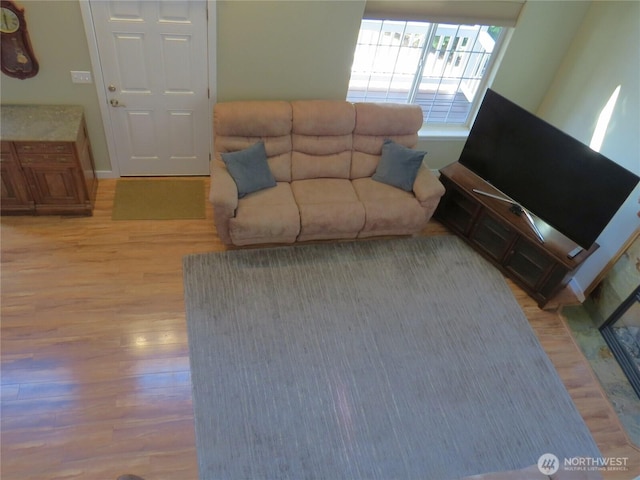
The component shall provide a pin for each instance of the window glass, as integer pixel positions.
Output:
(439, 66)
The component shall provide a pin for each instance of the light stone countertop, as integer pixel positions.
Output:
(40, 123)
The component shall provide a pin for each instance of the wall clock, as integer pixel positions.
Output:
(18, 59)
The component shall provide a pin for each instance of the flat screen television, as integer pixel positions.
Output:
(565, 183)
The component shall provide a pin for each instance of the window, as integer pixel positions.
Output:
(441, 67)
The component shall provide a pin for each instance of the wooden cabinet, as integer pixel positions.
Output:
(505, 238)
(47, 163)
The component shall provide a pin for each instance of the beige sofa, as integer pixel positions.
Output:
(322, 155)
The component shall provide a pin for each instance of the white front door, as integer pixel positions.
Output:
(153, 57)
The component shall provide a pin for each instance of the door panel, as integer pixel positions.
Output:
(154, 66)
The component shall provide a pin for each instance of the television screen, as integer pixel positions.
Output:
(565, 183)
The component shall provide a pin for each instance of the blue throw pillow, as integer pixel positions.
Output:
(398, 165)
(249, 169)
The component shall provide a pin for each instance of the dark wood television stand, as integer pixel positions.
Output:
(505, 238)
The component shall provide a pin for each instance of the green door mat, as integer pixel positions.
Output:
(154, 199)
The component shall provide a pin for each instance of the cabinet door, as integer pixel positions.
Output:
(55, 187)
(553, 282)
(15, 196)
(456, 209)
(528, 263)
(492, 235)
(55, 177)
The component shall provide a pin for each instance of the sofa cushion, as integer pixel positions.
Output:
(322, 139)
(329, 208)
(398, 165)
(249, 169)
(278, 152)
(331, 165)
(388, 210)
(267, 216)
(323, 117)
(376, 122)
(252, 119)
(238, 125)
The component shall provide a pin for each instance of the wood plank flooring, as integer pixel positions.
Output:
(95, 362)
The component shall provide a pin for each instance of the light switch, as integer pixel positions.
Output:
(81, 77)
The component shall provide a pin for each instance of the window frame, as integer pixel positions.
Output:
(443, 129)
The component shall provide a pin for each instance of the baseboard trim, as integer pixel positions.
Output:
(106, 174)
(577, 290)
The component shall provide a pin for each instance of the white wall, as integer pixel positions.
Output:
(604, 55)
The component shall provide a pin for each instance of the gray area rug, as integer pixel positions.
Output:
(385, 359)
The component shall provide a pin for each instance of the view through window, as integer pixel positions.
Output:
(438, 66)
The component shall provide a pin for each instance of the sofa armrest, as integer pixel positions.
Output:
(223, 192)
(223, 195)
(427, 188)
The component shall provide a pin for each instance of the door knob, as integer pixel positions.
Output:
(112, 88)
(116, 103)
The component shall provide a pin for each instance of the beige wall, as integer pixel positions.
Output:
(60, 45)
(286, 50)
(540, 41)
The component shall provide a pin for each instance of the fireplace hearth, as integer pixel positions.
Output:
(621, 331)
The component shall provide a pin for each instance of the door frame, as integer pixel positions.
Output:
(96, 68)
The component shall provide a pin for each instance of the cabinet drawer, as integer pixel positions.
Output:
(46, 159)
(43, 147)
